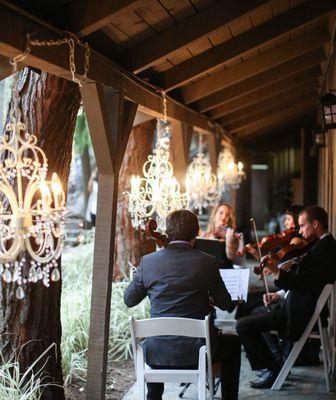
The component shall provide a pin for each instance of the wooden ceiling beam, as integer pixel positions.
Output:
(228, 117)
(255, 65)
(217, 56)
(55, 60)
(252, 123)
(275, 106)
(274, 76)
(85, 17)
(143, 55)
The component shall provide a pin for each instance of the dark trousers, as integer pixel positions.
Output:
(254, 333)
(228, 353)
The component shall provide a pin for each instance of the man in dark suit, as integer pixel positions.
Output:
(303, 283)
(179, 282)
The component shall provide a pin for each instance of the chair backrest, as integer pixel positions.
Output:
(169, 326)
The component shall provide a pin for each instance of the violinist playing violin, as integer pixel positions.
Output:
(291, 231)
(222, 226)
(303, 283)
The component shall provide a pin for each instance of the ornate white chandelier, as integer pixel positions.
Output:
(201, 183)
(32, 208)
(229, 173)
(158, 192)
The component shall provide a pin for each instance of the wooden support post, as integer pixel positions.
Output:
(179, 149)
(308, 170)
(110, 119)
(213, 151)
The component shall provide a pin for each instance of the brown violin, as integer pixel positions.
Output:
(297, 248)
(274, 241)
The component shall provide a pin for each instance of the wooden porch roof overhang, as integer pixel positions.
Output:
(13, 39)
(242, 69)
(222, 62)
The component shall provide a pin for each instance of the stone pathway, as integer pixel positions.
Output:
(304, 383)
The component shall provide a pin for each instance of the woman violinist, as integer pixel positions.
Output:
(222, 226)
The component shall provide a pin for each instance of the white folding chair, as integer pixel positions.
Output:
(179, 327)
(323, 335)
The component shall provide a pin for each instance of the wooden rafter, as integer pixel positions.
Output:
(216, 56)
(85, 17)
(231, 108)
(276, 108)
(263, 104)
(268, 119)
(56, 61)
(276, 126)
(264, 79)
(255, 65)
(150, 51)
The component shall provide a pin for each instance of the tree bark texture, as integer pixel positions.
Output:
(49, 105)
(131, 244)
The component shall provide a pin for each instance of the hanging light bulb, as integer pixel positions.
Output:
(158, 192)
(201, 183)
(229, 173)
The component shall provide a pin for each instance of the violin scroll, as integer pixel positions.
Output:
(150, 233)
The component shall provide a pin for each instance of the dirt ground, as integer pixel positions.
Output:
(120, 377)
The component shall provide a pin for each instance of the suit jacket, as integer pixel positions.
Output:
(178, 281)
(305, 283)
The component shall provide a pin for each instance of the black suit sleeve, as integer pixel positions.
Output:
(218, 291)
(136, 290)
(311, 277)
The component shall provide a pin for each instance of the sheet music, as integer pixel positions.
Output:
(236, 282)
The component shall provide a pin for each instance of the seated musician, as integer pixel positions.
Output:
(304, 283)
(222, 226)
(178, 281)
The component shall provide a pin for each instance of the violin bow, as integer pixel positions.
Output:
(259, 252)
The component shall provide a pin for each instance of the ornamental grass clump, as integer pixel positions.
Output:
(16, 385)
(77, 266)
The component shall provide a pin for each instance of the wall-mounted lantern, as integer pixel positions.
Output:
(328, 107)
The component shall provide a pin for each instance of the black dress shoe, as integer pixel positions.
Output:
(261, 372)
(266, 381)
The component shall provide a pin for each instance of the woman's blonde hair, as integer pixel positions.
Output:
(232, 217)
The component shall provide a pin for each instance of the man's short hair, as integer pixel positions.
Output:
(182, 225)
(316, 213)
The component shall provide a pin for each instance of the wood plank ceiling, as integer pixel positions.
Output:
(250, 65)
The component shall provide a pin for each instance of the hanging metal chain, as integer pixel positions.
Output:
(72, 46)
(199, 142)
(164, 96)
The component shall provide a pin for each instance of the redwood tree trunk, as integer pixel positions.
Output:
(50, 105)
(130, 243)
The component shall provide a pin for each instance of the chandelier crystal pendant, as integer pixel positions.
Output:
(201, 183)
(31, 207)
(157, 193)
(229, 173)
